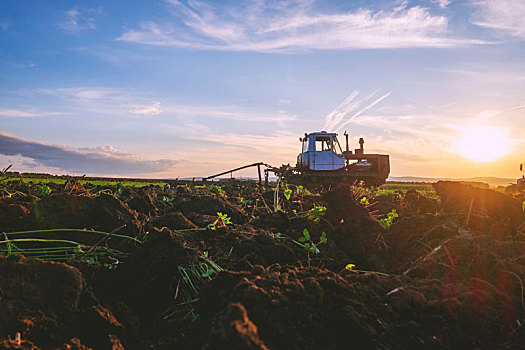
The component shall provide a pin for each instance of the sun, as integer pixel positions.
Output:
(483, 143)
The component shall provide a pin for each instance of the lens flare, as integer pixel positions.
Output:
(483, 143)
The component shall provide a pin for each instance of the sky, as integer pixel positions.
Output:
(183, 88)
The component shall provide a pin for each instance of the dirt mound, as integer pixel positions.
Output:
(356, 232)
(411, 237)
(103, 212)
(416, 203)
(210, 205)
(485, 210)
(15, 217)
(173, 221)
(42, 302)
(292, 308)
(148, 279)
(140, 200)
(232, 329)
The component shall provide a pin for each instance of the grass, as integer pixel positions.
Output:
(60, 249)
(424, 188)
(62, 181)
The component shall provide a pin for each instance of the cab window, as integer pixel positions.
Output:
(323, 143)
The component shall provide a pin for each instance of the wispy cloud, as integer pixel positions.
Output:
(442, 3)
(17, 113)
(99, 161)
(146, 110)
(505, 15)
(122, 101)
(351, 108)
(79, 20)
(292, 26)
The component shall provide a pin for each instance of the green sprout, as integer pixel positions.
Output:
(306, 242)
(350, 267)
(215, 189)
(42, 190)
(364, 201)
(387, 222)
(222, 221)
(288, 194)
(316, 213)
(120, 187)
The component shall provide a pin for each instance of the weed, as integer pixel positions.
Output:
(316, 213)
(222, 221)
(387, 222)
(287, 194)
(168, 199)
(306, 242)
(120, 187)
(42, 190)
(191, 279)
(364, 201)
(278, 236)
(216, 189)
(352, 267)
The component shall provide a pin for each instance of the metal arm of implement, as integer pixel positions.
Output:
(258, 165)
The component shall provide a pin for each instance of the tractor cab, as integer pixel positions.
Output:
(320, 151)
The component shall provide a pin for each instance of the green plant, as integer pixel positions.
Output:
(278, 236)
(120, 187)
(222, 221)
(364, 201)
(351, 267)
(306, 242)
(63, 249)
(42, 190)
(191, 279)
(216, 189)
(287, 194)
(387, 222)
(316, 213)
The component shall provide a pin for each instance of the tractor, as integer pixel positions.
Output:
(323, 162)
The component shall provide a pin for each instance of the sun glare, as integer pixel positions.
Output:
(483, 143)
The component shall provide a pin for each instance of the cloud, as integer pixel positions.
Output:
(16, 113)
(119, 101)
(293, 26)
(442, 3)
(77, 21)
(99, 161)
(337, 118)
(146, 110)
(230, 113)
(504, 15)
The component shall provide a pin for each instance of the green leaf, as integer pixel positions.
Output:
(323, 238)
(307, 246)
(306, 233)
(302, 239)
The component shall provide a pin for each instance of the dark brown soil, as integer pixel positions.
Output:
(443, 276)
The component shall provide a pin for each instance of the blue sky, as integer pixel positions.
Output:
(190, 88)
